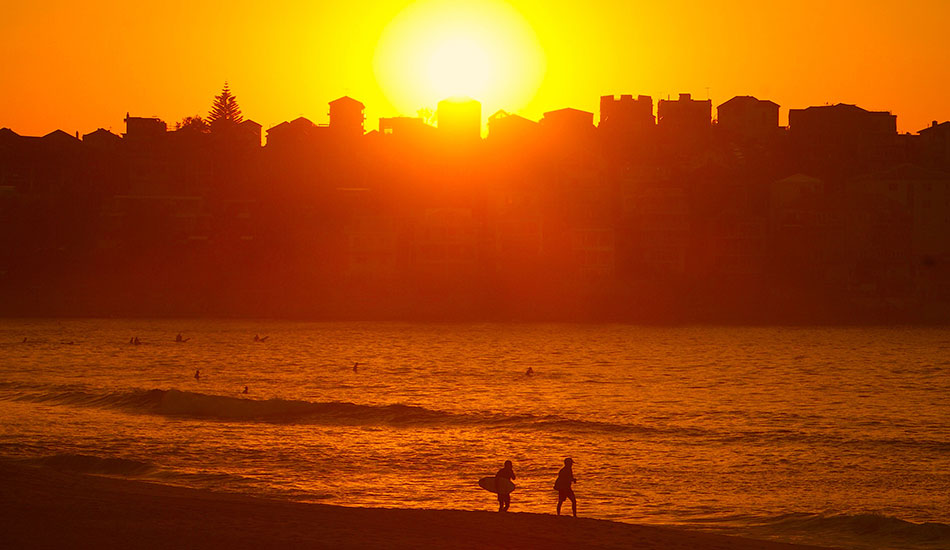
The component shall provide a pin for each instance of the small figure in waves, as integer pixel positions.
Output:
(131, 340)
(181, 340)
(245, 390)
(356, 367)
(197, 375)
(507, 472)
(24, 339)
(136, 341)
(565, 478)
(529, 372)
(259, 339)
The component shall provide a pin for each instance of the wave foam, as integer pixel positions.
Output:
(188, 404)
(862, 530)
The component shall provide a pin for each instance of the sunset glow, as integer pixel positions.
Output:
(79, 67)
(437, 49)
(313, 274)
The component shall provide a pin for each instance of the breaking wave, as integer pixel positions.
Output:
(187, 404)
(858, 531)
(178, 403)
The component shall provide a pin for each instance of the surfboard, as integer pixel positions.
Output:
(488, 483)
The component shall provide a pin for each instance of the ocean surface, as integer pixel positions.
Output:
(834, 436)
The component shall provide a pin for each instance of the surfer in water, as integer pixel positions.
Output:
(507, 472)
(197, 375)
(563, 485)
(356, 367)
(529, 372)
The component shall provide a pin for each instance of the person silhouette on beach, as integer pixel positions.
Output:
(245, 390)
(507, 472)
(565, 478)
(197, 375)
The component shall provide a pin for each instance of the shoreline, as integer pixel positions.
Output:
(46, 508)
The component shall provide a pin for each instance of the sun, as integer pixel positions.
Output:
(436, 49)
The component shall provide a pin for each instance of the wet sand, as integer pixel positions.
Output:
(43, 508)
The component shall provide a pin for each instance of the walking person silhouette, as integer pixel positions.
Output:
(504, 498)
(565, 478)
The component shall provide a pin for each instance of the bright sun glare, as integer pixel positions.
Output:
(436, 49)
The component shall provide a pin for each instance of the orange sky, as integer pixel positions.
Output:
(82, 65)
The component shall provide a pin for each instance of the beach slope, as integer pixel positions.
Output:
(43, 508)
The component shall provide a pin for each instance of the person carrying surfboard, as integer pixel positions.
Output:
(504, 498)
(563, 485)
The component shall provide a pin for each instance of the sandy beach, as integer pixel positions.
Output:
(44, 508)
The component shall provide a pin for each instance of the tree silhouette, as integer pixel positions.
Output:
(225, 108)
(195, 122)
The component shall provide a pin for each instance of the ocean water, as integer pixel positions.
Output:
(835, 436)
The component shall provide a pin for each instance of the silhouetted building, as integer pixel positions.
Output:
(684, 114)
(626, 114)
(101, 139)
(748, 118)
(655, 217)
(404, 127)
(842, 138)
(248, 133)
(924, 194)
(446, 243)
(798, 221)
(347, 117)
(460, 119)
(834, 123)
(511, 128)
(935, 145)
(627, 129)
(143, 128)
(632, 219)
(567, 122)
(296, 132)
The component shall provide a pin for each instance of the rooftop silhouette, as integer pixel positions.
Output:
(656, 213)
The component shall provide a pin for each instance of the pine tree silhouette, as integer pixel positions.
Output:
(225, 108)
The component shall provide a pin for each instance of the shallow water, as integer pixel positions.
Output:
(824, 435)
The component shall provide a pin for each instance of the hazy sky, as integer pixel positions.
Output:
(82, 65)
